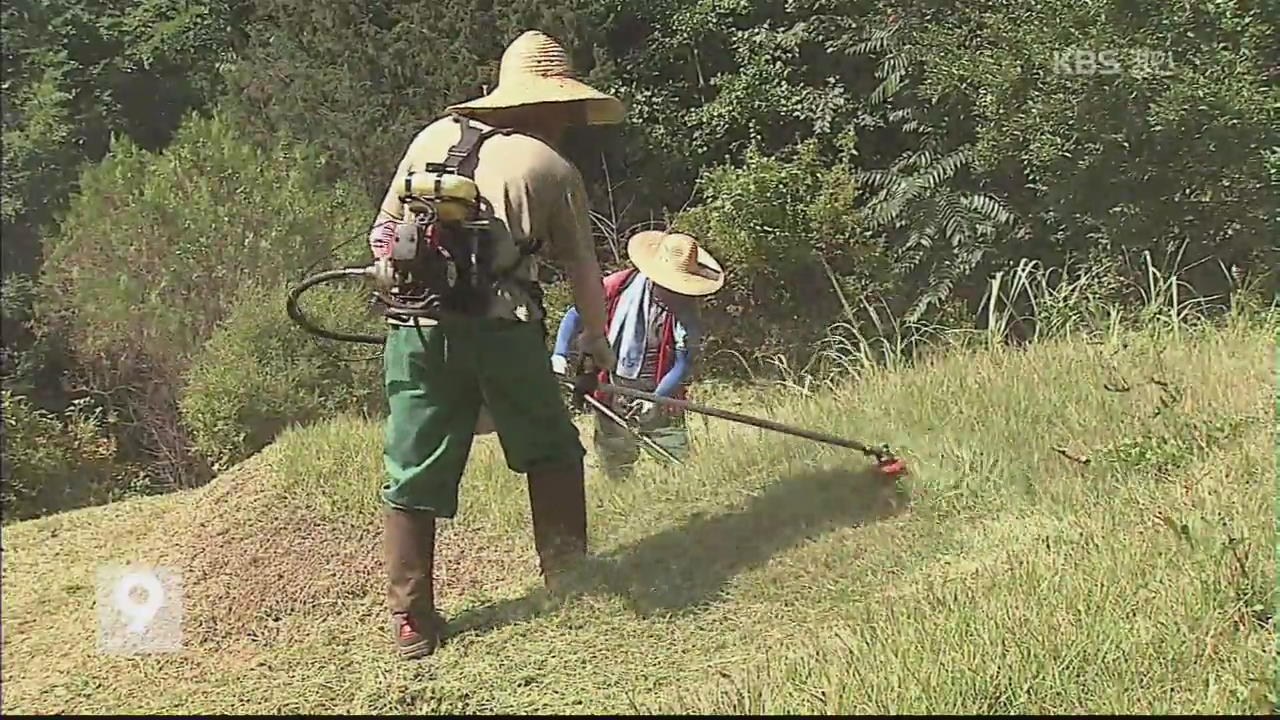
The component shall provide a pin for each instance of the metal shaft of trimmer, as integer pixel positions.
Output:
(647, 441)
(747, 420)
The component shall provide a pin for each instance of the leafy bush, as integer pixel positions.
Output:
(259, 373)
(16, 295)
(787, 231)
(155, 249)
(557, 298)
(52, 463)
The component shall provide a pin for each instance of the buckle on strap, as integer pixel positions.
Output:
(463, 156)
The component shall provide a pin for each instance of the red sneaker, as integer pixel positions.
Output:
(415, 639)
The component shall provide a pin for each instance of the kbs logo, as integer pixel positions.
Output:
(1079, 61)
(1134, 62)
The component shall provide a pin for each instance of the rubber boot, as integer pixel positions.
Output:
(558, 505)
(409, 543)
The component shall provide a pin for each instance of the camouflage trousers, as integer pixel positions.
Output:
(618, 449)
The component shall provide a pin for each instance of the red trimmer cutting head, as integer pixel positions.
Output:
(892, 467)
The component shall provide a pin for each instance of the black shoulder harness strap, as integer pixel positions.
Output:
(465, 154)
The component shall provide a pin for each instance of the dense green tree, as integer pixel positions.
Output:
(76, 73)
(79, 71)
(1108, 128)
(356, 80)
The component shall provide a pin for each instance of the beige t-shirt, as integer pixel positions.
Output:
(536, 194)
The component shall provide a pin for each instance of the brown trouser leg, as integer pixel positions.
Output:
(409, 541)
(558, 504)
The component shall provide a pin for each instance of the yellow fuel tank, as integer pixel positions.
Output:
(455, 196)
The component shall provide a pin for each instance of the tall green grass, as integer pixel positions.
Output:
(1028, 303)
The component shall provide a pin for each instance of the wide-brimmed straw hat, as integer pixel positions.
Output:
(676, 262)
(535, 70)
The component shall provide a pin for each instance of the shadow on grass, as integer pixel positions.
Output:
(687, 567)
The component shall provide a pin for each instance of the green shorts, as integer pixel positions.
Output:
(436, 378)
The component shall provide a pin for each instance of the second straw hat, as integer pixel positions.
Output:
(676, 262)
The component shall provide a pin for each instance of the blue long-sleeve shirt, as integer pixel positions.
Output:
(686, 350)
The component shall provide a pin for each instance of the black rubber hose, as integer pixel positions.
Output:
(295, 313)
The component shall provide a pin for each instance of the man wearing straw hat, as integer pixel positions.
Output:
(438, 377)
(655, 331)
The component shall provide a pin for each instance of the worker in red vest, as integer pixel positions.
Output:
(655, 330)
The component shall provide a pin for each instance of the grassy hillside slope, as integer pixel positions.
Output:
(772, 575)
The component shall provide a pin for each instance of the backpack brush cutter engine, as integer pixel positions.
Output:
(442, 261)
